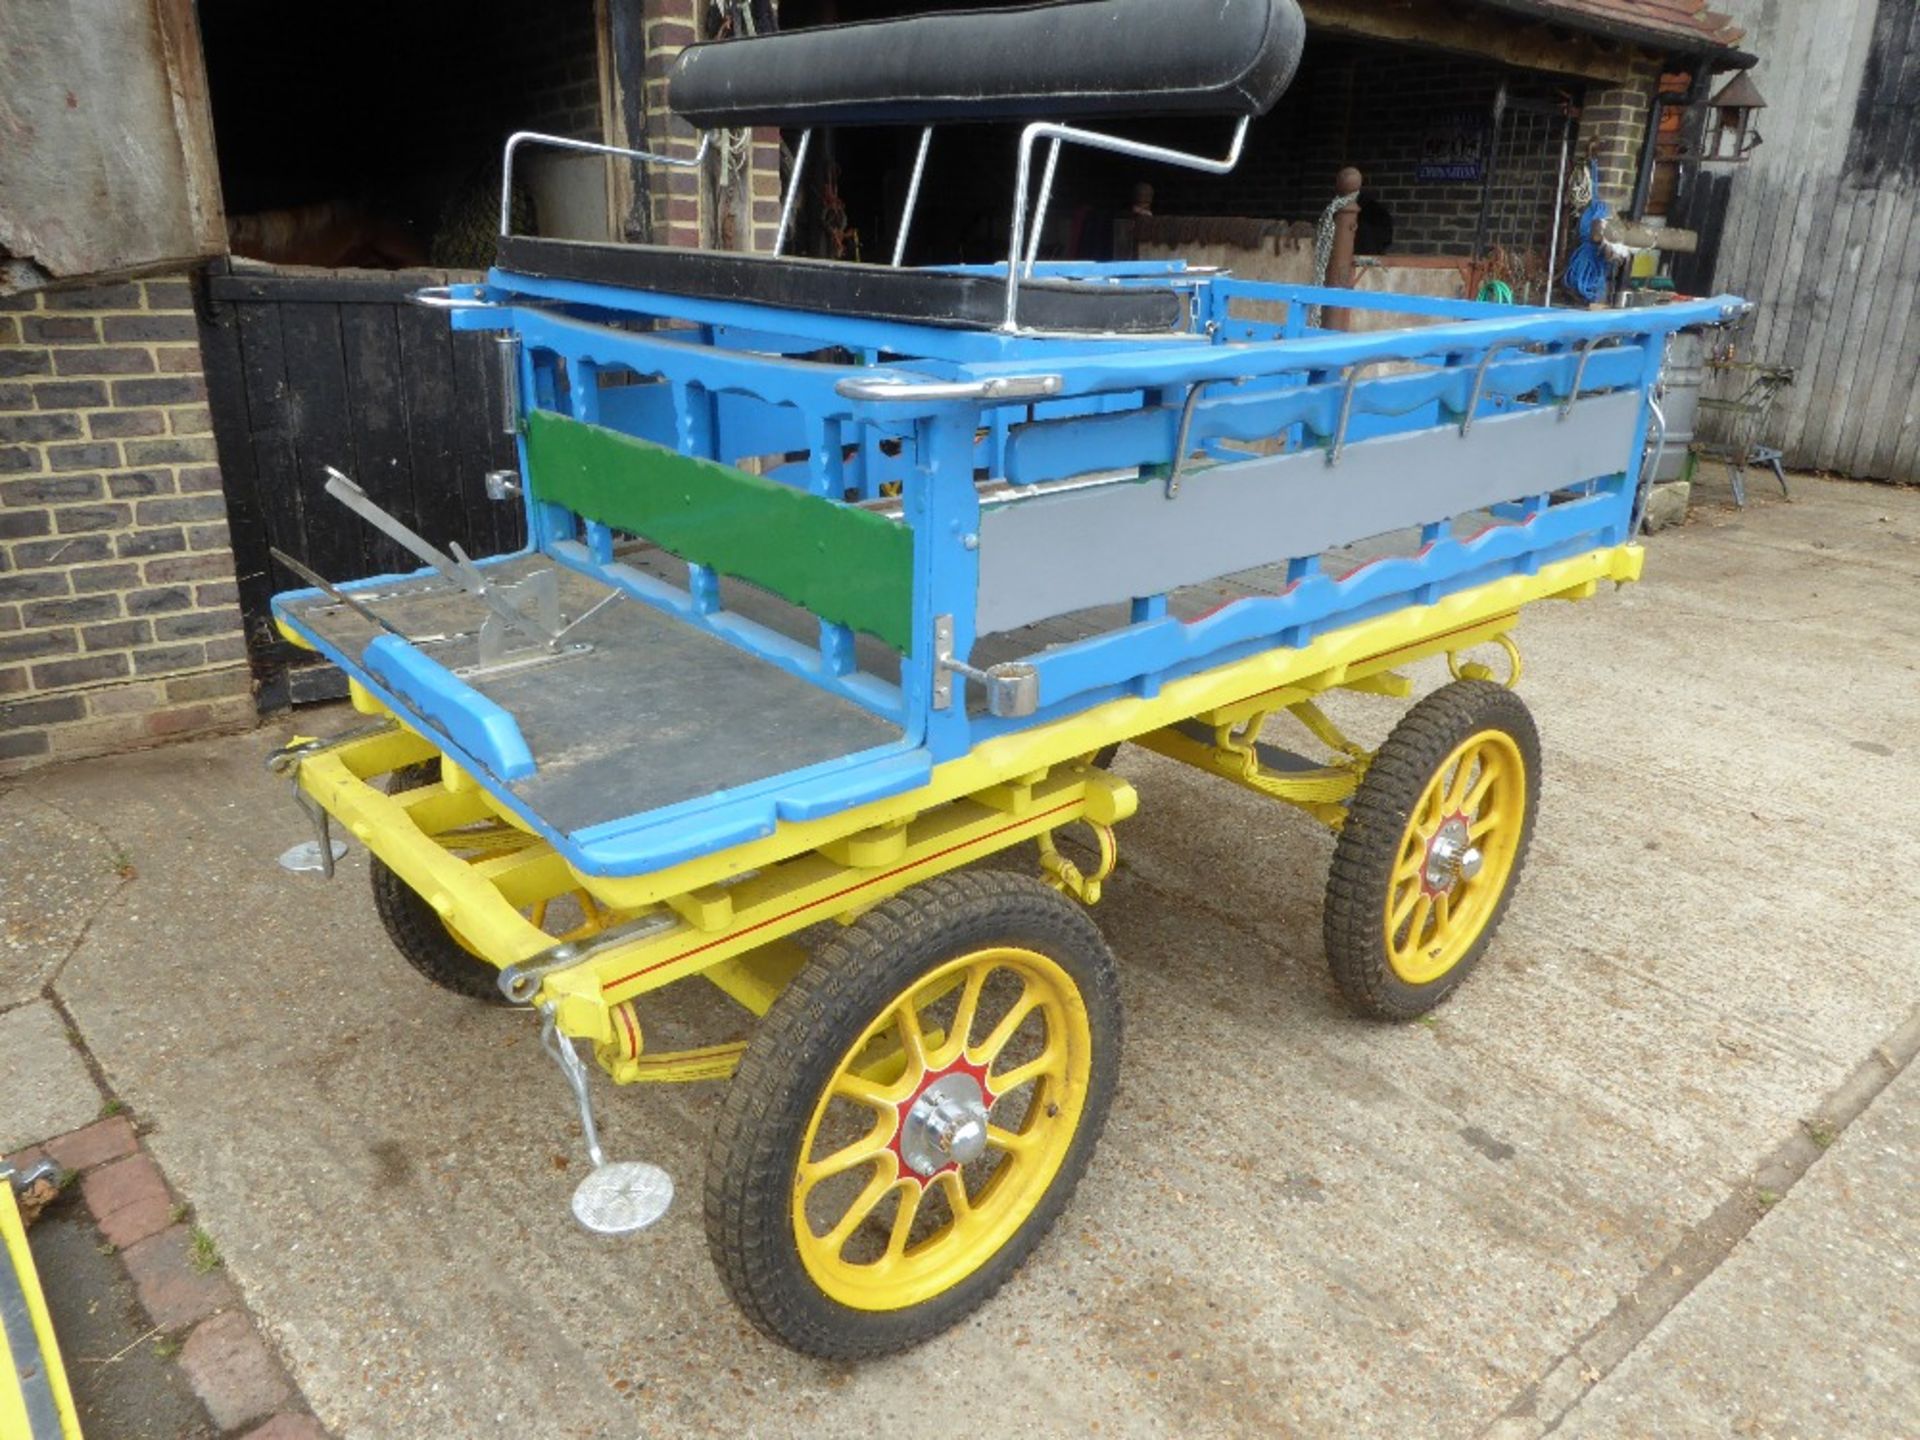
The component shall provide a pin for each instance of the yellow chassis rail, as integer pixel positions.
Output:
(723, 916)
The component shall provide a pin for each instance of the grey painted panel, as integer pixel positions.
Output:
(1052, 555)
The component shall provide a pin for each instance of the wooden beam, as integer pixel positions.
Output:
(1443, 27)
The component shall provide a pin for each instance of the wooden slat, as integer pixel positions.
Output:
(377, 421)
(426, 385)
(233, 441)
(1894, 392)
(323, 435)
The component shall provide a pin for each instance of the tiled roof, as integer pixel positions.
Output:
(1687, 25)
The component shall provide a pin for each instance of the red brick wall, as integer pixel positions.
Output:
(119, 622)
(685, 203)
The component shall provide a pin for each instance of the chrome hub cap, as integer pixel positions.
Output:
(1450, 857)
(946, 1125)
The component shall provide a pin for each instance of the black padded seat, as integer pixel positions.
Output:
(1066, 60)
(872, 292)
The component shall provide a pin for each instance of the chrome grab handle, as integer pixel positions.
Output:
(1354, 372)
(998, 387)
(441, 297)
(1480, 382)
(1652, 468)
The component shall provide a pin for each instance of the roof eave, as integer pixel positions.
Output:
(1724, 57)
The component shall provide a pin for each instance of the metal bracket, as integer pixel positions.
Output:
(520, 983)
(1013, 687)
(503, 484)
(286, 760)
(508, 344)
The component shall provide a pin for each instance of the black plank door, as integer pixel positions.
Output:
(311, 368)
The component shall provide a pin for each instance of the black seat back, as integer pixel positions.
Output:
(1061, 61)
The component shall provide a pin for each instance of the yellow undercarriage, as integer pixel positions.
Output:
(728, 916)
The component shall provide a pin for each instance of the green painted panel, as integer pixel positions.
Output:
(843, 564)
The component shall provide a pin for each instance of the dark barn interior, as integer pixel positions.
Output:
(368, 133)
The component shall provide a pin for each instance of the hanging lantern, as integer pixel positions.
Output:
(1731, 134)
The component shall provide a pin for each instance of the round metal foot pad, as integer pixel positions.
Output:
(622, 1196)
(304, 858)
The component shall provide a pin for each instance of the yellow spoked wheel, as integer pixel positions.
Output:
(1433, 843)
(913, 1114)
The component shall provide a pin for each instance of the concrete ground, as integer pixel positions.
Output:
(1573, 1200)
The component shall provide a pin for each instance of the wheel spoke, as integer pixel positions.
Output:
(1417, 927)
(1483, 824)
(862, 1090)
(1404, 907)
(989, 1049)
(1442, 911)
(913, 1040)
(956, 1189)
(1463, 774)
(868, 1148)
(903, 1218)
(1051, 1059)
(1011, 1141)
(862, 1206)
(963, 1014)
(1411, 861)
(1478, 794)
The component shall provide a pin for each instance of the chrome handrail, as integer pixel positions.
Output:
(593, 147)
(1093, 140)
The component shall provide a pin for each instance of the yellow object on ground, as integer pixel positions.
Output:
(35, 1401)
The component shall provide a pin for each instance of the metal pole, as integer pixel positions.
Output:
(1046, 198)
(1559, 209)
(793, 191)
(1493, 174)
(913, 197)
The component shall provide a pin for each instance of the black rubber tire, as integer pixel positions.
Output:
(1363, 858)
(416, 929)
(795, 1052)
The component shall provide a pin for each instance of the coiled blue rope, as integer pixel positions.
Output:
(1587, 268)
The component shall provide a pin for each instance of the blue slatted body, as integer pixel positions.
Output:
(725, 381)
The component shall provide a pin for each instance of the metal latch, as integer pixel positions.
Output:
(1013, 687)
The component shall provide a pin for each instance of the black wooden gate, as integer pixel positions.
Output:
(311, 368)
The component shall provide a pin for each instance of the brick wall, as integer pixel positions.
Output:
(1379, 108)
(688, 207)
(1613, 129)
(551, 54)
(119, 625)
